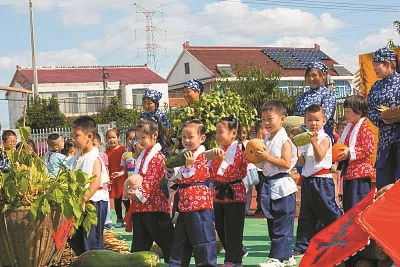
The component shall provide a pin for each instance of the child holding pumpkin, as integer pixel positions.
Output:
(357, 168)
(228, 168)
(194, 230)
(318, 206)
(278, 193)
(148, 214)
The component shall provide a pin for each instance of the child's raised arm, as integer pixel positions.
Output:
(94, 186)
(320, 149)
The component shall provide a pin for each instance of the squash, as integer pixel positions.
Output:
(176, 160)
(210, 154)
(292, 122)
(302, 139)
(252, 146)
(109, 258)
(336, 150)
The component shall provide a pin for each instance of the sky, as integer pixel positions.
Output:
(103, 32)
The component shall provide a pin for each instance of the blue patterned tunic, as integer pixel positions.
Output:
(321, 96)
(384, 92)
(157, 115)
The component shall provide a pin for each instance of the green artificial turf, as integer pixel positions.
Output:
(255, 240)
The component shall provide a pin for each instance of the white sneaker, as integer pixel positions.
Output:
(290, 262)
(272, 263)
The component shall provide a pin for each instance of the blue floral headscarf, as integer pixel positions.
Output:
(318, 65)
(384, 54)
(194, 85)
(153, 95)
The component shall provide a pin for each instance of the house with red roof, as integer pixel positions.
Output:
(210, 63)
(80, 89)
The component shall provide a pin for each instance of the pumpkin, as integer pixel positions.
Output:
(336, 150)
(252, 146)
(302, 139)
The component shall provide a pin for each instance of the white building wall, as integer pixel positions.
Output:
(197, 70)
(16, 102)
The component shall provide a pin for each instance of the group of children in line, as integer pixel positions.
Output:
(135, 176)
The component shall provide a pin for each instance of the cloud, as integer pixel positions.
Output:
(375, 41)
(239, 18)
(66, 57)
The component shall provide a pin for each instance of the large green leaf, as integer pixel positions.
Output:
(25, 132)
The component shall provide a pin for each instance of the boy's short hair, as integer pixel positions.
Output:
(86, 124)
(274, 105)
(52, 138)
(314, 108)
(357, 104)
(97, 137)
(7, 133)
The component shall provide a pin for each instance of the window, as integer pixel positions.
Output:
(187, 68)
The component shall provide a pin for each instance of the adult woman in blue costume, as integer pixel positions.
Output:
(318, 94)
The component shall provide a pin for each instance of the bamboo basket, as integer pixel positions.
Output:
(26, 244)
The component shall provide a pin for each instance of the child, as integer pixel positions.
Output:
(194, 230)
(88, 160)
(114, 153)
(150, 102)
(149, 213)
(192, 91)
(385, 92)
(53, 159)
(69, 149)
(228, 169)
(128, 160)
(31, 146)
(357, 170)
(318, 205)
(9, 138)
(98, 144)
(278, 197)
(251, 170)
(261, 133)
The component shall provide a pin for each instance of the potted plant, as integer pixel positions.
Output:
(36, 210)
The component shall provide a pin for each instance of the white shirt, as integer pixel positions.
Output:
(284, 186)
(85, 163)
(311, 166)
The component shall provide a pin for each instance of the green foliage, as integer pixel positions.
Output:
(256, 87)
(391, 43)
(116, 112)
(211, 108)
(43, 113)
(28, 185)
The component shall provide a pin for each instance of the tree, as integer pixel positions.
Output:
(256, 87)
(391, 44)
(43, 113)
(210, 109)
(116, 112)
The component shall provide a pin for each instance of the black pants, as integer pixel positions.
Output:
(149, 227)
(229, 223)
(81, 241)
(261, 177)
(118, 207)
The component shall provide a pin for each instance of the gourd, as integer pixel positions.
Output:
(109, 258)
(252, 147)
(302, 139)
